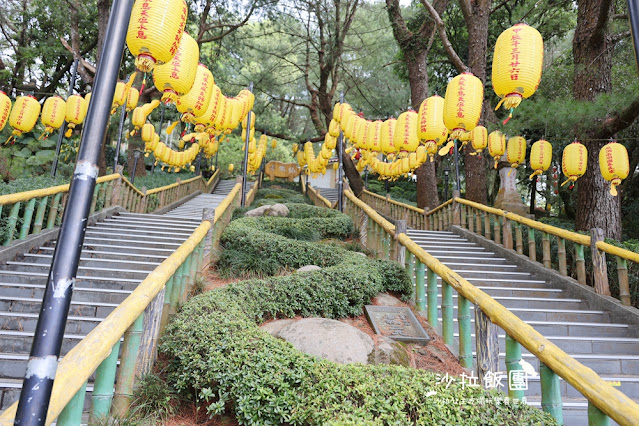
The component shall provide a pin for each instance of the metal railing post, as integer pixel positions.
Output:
(43, 358)
(246, 153)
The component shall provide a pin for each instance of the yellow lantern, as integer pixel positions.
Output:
(387, 138)
(330, 142)
(431, 149)
(405, 138)
(5, 109)
(614, 165)
(119, 96)
(132, 99)
(148, 131)
(75, 112)
(462, 104)
(196, 101)
(517, 63)
(231, 167)
(24, 116)
(496, 145)
(53, 112)
(373, 133)
(345, 113)
(155, 31)
(335, 166)
(333, 128)
(478, 139)
(176, 77)
(141, 113)
(273, 143)
(516, 151)
(295, 148)
(431, 121)
(574, 161)
(540, 157)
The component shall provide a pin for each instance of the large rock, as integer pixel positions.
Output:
(308, 268)
(274, 327)
(278, 210)
(385, 299)
(329, 339)
(388, 351)
(260, 211)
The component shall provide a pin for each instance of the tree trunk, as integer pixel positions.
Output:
(104, 7)
(427, 195)
(592, 56)
(354, 179)
(596, 208)
(476, 15)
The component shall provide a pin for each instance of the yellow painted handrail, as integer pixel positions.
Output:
(44, 192)
(618, 251)
(210, 181)
(173, 185)
(219, 210)
(549, 229)
(440, 207)
(614, 403)
(397, 203)
(81, 361)
(319, 197)
(608, 399)
(388, 227)
(140, 193)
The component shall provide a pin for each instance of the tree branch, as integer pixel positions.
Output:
(599, 31)
(617, 37)
(618, 121)
(499, 6)
(448, 47)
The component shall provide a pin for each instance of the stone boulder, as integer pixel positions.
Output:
(329, 339)
(278, 210)
(385, 299)
(274, 327)
(388, 351)
(309, 268)
(260, 211)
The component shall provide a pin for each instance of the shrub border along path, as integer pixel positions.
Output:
(221, 358)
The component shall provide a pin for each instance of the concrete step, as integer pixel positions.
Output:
(158, 218)
(525, 301)
(629, 385)
(81, 280)
(115, 274)
(147, 224)
(87, 261)
(111, 254)
(146, 252)
(32, 306)
(465, 265)
(80, 294)
(551, 314)
(603, 364)
(26, 321)
(136, 237)
(20, 341)
(132, 243)
(144, 232)
(514, 291)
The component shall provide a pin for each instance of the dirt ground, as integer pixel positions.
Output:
(434, 356)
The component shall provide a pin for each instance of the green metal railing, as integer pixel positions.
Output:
(389, 241)
(131, 328)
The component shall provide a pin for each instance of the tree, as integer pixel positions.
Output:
(593, 48)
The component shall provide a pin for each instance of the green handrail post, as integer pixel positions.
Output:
(386, 242)
(39, 219)
(126, 374)
(581, 264)
(94, 200)
(420, 288)
(53, 211)
(72, 413)
(187, 277)
(410, 267)
(513, 356)
(102, 395)
(447, 313)
(108, 193)
(11, 223)
(532, 248)
(178, 282)
(551, 393)
(167, 308)
(596, 417)
(26, 219)
(432, 298)
(465, 343)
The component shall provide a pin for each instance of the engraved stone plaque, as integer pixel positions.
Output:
(398, 323)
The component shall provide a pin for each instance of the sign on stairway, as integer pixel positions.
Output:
(398, 323)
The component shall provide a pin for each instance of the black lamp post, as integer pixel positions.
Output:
(446, 173)
(136, 157)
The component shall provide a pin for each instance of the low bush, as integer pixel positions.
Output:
(275, 195)
(223, 360)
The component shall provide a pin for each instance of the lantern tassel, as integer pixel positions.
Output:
(10, 139)
(496, 162)
(501, 101)
(446, 148)
(69, 132)
(536, 173)
(613, 186)
(169, 129)
(510, 115)
(570, 179)
(143, 83)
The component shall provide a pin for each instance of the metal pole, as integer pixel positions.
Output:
(136, 157)
(366, 177)
(246, 148)
(216, 160)
(43, 359)
(446, 171)
(457, 165)
(116, 159)
(340, 169)
(199, 163)
(54, 166)
(633, 16)
(533, 195)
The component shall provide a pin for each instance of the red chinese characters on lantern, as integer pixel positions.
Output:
(176, 65)
(143, 20)
(178, 37)
(514, 54)
(460, 97)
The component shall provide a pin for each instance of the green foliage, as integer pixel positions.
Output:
(153, 399)
(160, 178)
(273, 195)
(225, 361)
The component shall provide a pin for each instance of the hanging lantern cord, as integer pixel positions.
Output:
(510, 115)
(143, 83)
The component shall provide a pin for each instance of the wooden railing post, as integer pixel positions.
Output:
(581, 264)
(561, 256)
(545, 241)
(116, 192)
(551, 393)
(463, 321)
(513, 366)
(532, 247)
(147, 350)
(507, 234)
(426, 218)
(447, 313)
(126, 373)
(456, 209)
(624, 287)
(400, 250)
(519, 241)
(208, 214)
(102, 394)
(599, 263)
(420, 286)
(431, 277)
(487, 345)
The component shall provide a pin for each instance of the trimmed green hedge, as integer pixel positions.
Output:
(221, 358)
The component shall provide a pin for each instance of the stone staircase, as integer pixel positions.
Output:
(331, 194)
(589, 335)
(118, 253)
